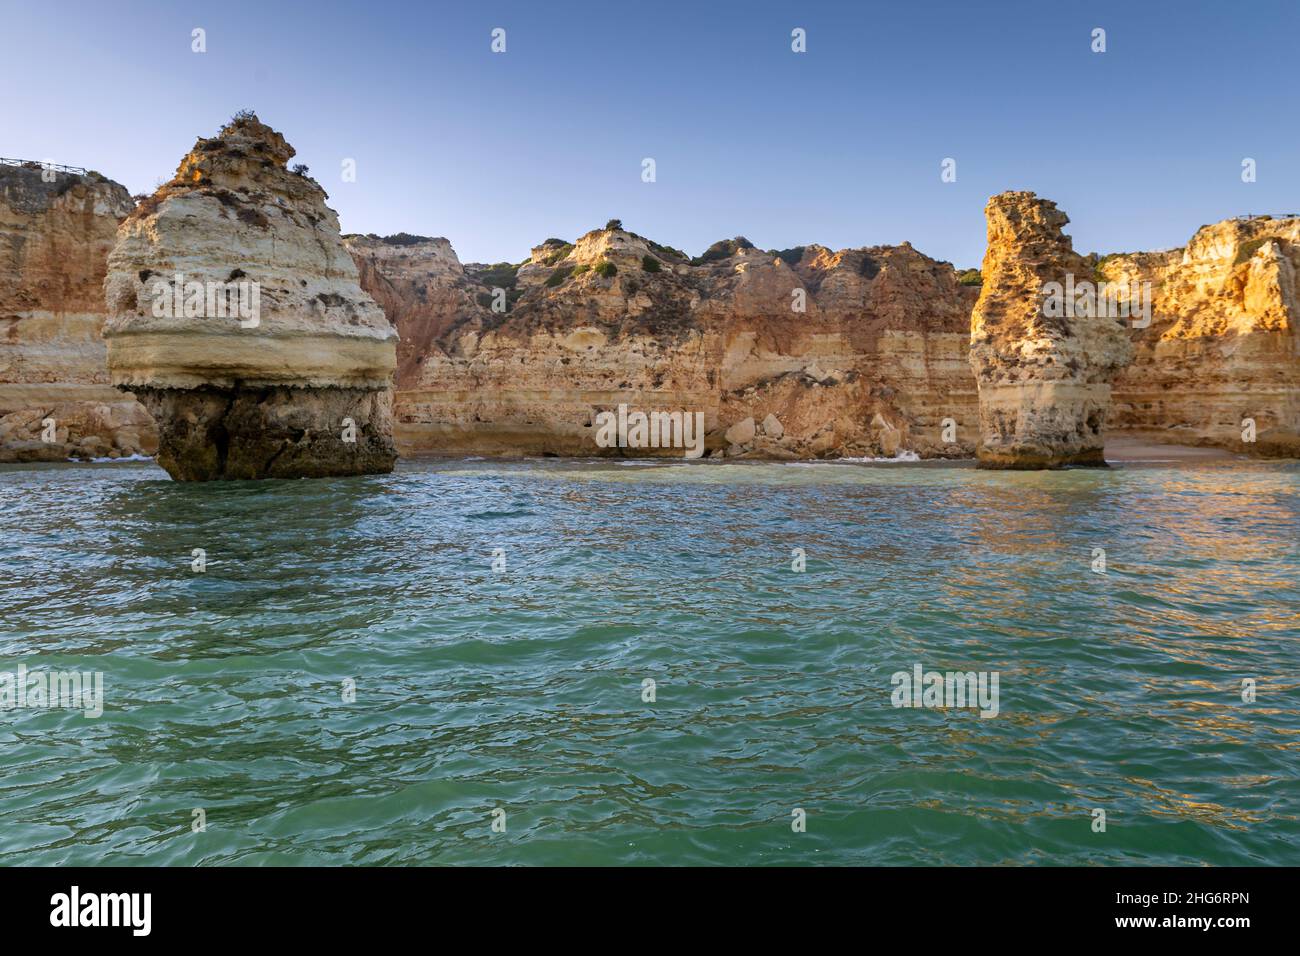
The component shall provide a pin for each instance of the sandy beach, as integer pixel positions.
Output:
(1124, 449)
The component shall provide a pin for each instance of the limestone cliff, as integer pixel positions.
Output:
(420, 285)
(237, 318)
(56, 229)
(803, 353)
(1223, 345)
(1043, 373)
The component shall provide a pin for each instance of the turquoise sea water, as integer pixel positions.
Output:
(523, 689)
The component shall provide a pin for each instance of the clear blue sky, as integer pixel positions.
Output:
(841, 145)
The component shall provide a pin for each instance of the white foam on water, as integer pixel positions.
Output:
(103, 461)
(901, 457)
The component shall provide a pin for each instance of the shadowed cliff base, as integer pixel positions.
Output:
(1029, 460)
(273, 432)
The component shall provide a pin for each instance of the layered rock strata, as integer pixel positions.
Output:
(237, 319)
(1043, 360)
(1219, 364)
(804, 353)
(56, 403)
(797, 354)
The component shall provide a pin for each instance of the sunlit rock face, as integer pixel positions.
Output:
(237, 318)
(1219, 363)
(1044, 378)
(858, 353)
(56, 229)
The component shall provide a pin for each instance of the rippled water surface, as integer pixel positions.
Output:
(522, 690)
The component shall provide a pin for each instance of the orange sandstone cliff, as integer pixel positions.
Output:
(804, 353)
(1220, 362)
(56, 402)
(801, 353)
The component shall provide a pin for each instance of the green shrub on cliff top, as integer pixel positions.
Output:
(970, 277)
(1248, 249)
(790, 257)
(500, 274)
(558, 252)
(723, 249)
(558, 276)
(240, 118)
(401, 239)
(667, 252)
(649, 263)
(605, 269)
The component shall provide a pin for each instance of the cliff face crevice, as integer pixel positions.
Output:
(238, 319)
(849, 353)
(55, 232)
(1222, 351)
(420, 285)
(1044, 374)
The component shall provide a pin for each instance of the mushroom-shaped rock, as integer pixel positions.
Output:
(236, 317)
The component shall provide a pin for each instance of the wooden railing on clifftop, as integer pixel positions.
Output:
(36, 164)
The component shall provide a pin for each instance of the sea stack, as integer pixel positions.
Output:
(1043, 351)
(236, 317)
(57, 226)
